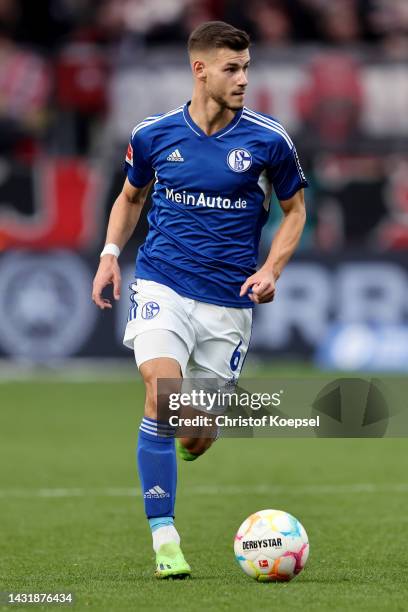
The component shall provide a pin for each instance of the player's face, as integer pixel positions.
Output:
(227, 77)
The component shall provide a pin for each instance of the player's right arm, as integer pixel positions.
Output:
(123, 219)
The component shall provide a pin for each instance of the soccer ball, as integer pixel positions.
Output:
(271, 546)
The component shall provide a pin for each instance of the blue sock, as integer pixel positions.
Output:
(156, 457)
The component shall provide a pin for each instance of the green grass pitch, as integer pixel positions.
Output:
(70, 521)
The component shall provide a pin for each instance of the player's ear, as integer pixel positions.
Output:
(199, 69)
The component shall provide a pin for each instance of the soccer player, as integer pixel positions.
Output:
(213, 164)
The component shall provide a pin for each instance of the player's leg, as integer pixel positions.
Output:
(161, 335)
(157, 460)
(223, 337)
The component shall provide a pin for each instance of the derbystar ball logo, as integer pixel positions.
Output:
(129, 154)
(254, 544)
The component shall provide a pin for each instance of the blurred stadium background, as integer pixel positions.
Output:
(75, 77)
(73, 86)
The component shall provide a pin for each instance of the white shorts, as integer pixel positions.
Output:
(205, 339)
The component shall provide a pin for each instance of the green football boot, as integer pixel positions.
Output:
(183, 453)
(170, 562)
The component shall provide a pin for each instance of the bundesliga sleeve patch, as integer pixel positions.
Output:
(129, 154)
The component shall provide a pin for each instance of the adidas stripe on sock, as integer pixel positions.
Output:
(157, 465)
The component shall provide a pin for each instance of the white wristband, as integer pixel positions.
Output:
(110, 249)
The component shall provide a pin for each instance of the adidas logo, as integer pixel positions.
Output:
(156, 493)
(175, 156)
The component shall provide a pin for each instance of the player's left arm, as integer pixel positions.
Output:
(283, 246)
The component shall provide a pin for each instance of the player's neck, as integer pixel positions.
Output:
(208, 115)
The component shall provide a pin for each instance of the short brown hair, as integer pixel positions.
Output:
(216, 35)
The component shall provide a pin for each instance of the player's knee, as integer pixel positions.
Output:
(160, 380)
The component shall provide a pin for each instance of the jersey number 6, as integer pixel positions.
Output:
(235, 357)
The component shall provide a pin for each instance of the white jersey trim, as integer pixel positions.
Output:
(149, 121)
(189, 124)
(269, 121)
(230, 130)
(269, 127)
(219, 136)
(265, 184)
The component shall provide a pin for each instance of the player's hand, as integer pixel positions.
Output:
(263, 287)
(108, 274)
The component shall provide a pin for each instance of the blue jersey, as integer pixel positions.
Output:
(211, 199)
